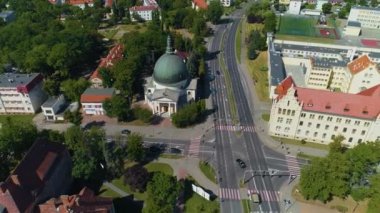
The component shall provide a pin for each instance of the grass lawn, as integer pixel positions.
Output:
(305, 39)
(171, 156)
(207, 170)
(107, 192)
(246, 207)
(120, 184)
(238, 42)
(17, 118)
(116, 32)
(159, 167)
(196, 204)
(298, 143)
(296, 25)
(337, 203)
(265, 117)
(261, 77)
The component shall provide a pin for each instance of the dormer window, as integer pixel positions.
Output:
(310, 103)
(346, 108)
(365, 111)
(328, 106)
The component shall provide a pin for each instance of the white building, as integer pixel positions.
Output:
(53, 108)
(295, 7)
(92, 100)
(368, 17)
(319, 116)
(21, 93)
(353, 28)
(226, 3)
(145, 11)
(170, 87)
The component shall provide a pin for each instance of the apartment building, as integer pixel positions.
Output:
(145, 11)
(92, 100)
(319, 115)
(368, 17)
(21, 93)
(342, 75)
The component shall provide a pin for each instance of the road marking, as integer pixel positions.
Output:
(194, 147)
(235, 128)
(265, 195)
(229, 193)
(293, 165)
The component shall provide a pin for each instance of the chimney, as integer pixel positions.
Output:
(15, 179)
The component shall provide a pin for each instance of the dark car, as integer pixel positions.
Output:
(217, 72)
(125, 132)
(241, 163)
(175, 151)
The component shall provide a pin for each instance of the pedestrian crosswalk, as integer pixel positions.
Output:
(229, 194)
(235, 128)
(293, 166)
(194, 147)
(265, 195)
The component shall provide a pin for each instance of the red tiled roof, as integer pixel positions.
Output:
(363, 105)
(114, 55)
(94, 98)
(201, 4)
(85, 202)
(78, 2)
(283, 87)
(108, 3)
(359, 64)
(144, 8)
(19, 190)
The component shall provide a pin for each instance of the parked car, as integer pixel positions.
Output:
(175, 151)
(241, 163)
(125, 132)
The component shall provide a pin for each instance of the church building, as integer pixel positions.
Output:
(171, 85)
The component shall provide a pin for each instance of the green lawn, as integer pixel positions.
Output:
(305, 39)
(207, 170)
(259, 76)
(296, 25)
(246, 207)
(120, 184)
(159, 167)
(17, 118)
(197, 204)
(298, 143)
(238, 42)
(265, 117)
(107, 192)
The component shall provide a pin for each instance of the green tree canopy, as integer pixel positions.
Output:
(326, 8)
(214, 11)
(118, 107)
(135, 148)
(73, 89)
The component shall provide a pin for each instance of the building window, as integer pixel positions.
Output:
(279, 120)
(329, 118)
(366, 124)
(320, 117)
(315, 134)
(278, 128)
(279, 110)
(293, 112)
(360, 140)
(318, 125)
(311, 116)
(307, 133)
(288, 112)
(344, 129)
(348, 121)
(283, 111)
(338, 120)
(332, 137)
(309, 124)
(363, 132)
(350, 140)
(303, 115)
(324, 135)
(357, 123)
(48, 111)
(298, 131)
(287, 129)
(288, 121)
(301, 123)
(327, 127)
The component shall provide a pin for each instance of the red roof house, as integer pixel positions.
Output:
(359, 64)
(44, 172)
(84, 202)
(199, 4)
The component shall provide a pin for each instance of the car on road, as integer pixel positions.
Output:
(125, 132)
(175, 151)
(218, 72)
(241, 163)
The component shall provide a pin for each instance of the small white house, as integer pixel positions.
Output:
(53, 108)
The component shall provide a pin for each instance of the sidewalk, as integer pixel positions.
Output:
(258, 107)
(116, 189)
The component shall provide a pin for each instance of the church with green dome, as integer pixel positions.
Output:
(171, 85)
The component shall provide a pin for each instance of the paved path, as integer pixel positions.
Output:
(116, 189)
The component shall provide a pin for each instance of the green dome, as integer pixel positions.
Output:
(170, 70)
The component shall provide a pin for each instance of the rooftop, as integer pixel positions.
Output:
(276, 68)
(202, 4)
(16, 79)
(359, 64)
(328, 62)
(96, 95)
(364, 105)
(354, 24)
(366, 8)
(144, 8)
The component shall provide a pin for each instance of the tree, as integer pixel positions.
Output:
(214, 11)
(117, 106)
(137, 178)
(163, 191)
(374, 3)
(326, 8)
(74, 117)
(135, 149)
(73, 89)
(270, 22)
(342, 13)
(257, 41)
(189, 114)
(106, 76)
(84, 165)
(363, 3)
(143, 114)
(202, 68)
(336, 146)
(15, 139)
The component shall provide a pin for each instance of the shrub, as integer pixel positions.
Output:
(189, 114)
(145, 115)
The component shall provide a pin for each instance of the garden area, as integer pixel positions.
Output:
(17, 118)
